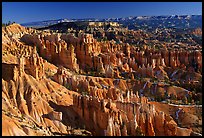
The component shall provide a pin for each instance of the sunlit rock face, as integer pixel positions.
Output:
(77, 83)
(112, 122)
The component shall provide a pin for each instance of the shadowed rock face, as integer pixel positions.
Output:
(68, 84)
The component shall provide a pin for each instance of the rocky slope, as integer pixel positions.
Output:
(43, 103)
(62, 84)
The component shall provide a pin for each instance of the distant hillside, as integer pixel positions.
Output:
(39, 24)
(63, 26)
(136, 22)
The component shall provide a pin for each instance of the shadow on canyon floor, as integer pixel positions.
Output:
(69, 116)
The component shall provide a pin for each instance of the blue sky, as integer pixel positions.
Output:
(22, 12)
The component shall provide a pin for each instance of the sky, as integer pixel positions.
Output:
(23, 12)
